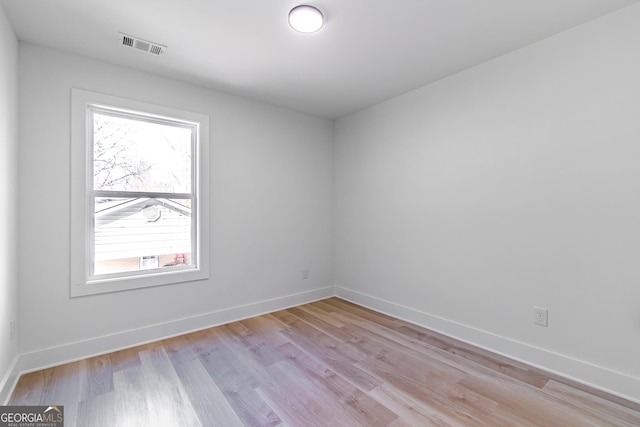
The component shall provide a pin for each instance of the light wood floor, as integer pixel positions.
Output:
(329, 363)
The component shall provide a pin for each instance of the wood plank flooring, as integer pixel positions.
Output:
(328, 363)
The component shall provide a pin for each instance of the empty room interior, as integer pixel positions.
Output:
(415, 213)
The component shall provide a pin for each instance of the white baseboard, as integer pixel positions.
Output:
(8, 383)
(53, 356)
(598, 377)
(610, 381)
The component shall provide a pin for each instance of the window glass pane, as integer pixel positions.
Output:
(132, 234)
(138, 155)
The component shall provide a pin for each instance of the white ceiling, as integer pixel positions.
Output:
(368, 50)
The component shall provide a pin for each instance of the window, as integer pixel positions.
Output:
(139, 204)
(149, 262)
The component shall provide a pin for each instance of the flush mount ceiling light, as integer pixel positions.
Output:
(306, 19)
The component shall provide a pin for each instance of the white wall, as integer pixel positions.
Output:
(272, 207)
(516, 183)
(8, 197)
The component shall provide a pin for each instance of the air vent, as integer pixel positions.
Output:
(127, 41)
(140, 44)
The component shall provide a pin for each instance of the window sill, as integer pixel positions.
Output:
(104, 286)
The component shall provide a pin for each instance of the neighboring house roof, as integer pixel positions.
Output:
(130, 228)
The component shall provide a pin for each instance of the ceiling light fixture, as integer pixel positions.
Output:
(306, 19)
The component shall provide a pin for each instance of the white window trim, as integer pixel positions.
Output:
(81, 217)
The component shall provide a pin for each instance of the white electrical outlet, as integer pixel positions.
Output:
(305, 273)
(12, 329)
(541, 316)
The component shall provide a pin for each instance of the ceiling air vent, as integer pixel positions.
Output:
(140, 44)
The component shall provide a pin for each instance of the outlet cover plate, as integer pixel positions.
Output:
(541, 316)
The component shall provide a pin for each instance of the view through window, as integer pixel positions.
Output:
(142, 191)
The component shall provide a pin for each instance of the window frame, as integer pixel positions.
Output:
(94, 194)
(82, 193)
